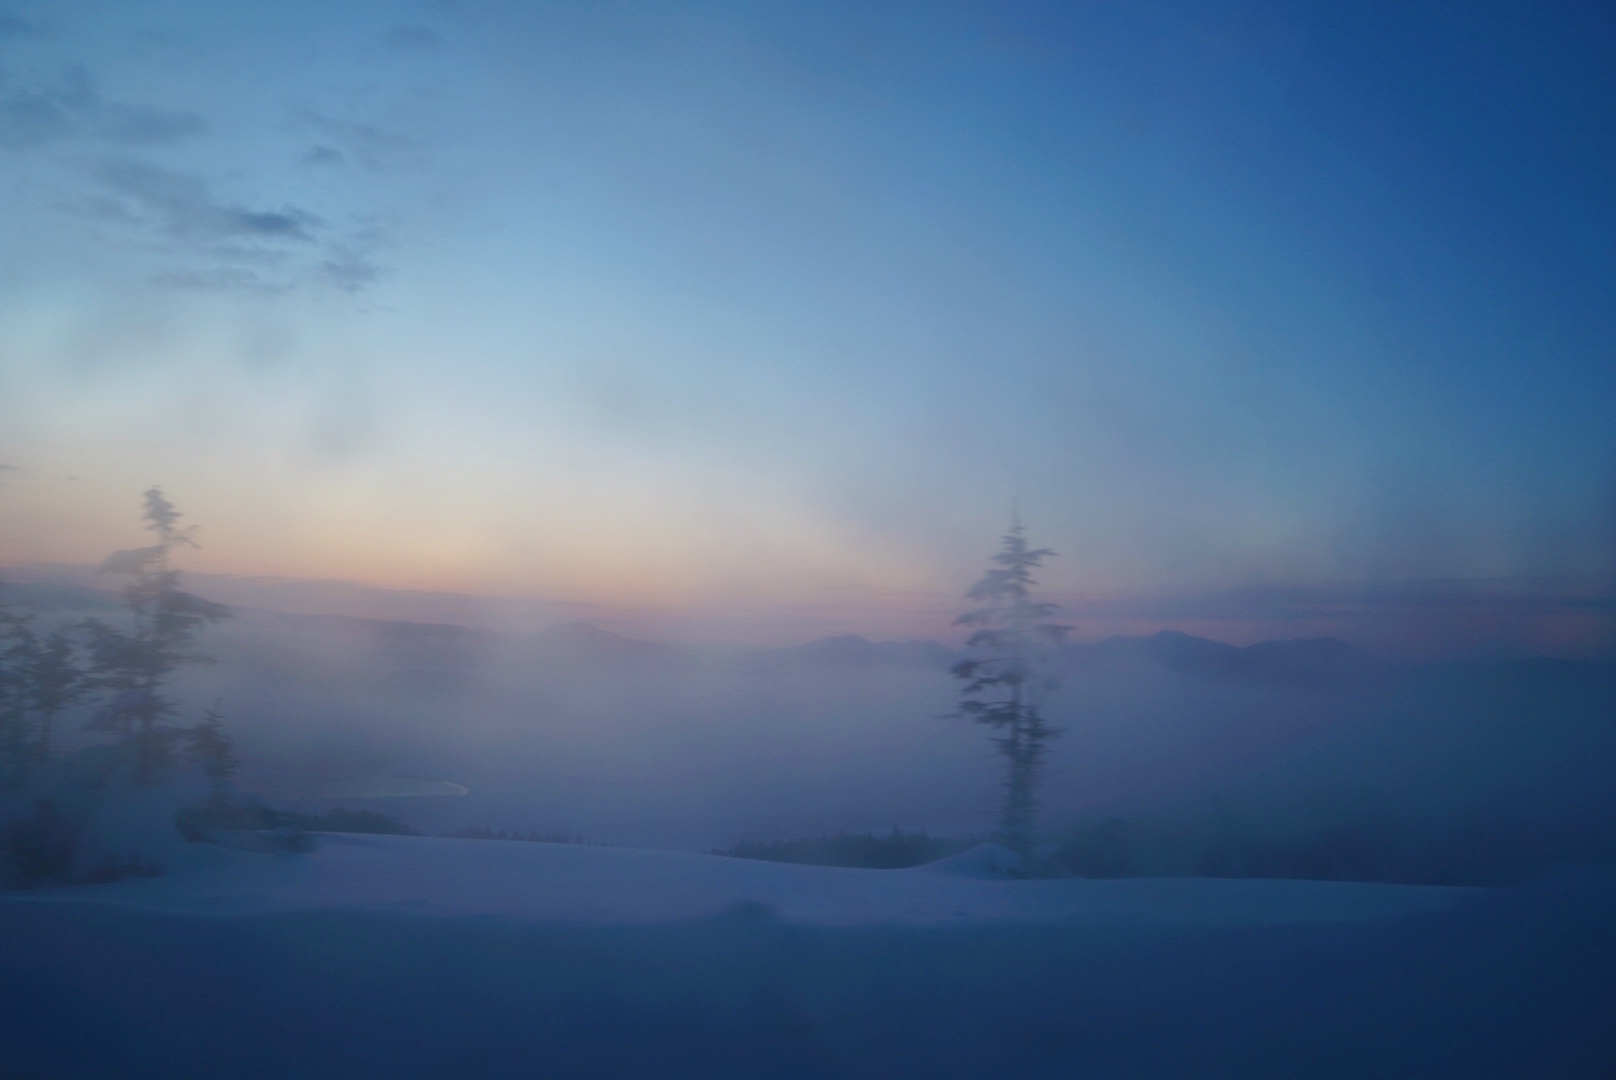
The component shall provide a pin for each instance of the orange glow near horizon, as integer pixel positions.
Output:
(780, 576)
(632, 562)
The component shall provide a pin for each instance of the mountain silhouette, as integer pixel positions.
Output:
(853, 650)
(583, 641)
(1305, 661)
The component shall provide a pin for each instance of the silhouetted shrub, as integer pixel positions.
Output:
(42, 849)
(204, 821)
(1473, 852)
(112, 868)
(37, 850)
(1334, 853)
(341, 819)
(1105, 850)
(198, 823)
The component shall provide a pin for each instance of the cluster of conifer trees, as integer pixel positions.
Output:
(125, 670)
(122, 672)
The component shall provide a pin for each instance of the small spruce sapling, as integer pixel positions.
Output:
(57, 679)
(40, 676)
(16, 725)
(213, 752)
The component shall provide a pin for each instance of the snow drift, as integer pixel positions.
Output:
(426, 958)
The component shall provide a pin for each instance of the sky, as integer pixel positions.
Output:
(1271, 317)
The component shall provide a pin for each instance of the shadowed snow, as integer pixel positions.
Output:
(567, 882)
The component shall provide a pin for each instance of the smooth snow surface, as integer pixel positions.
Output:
(575, 883)
(619, 964)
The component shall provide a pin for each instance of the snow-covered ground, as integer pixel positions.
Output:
(571, 883)
(417, 959)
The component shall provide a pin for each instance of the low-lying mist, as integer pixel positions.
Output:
(1177, 754)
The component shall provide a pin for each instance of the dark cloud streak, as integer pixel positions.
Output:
(323, 156)
(15, 26)
(72, 108)
(63, 121)
(348, 270)
(412, 37)
(233, 247)
(181, 206)
(373, 147)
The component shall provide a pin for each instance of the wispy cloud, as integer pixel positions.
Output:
(218, 279)
(70, 107)
(370, 145)
(323, 156)
(413, 37)
(15, 26)
(182, 206)
(64, 121)
(225, 245)
(348, 270)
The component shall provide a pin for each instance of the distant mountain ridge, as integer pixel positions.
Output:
(1302, 661)
(1305, 661)
(854, 650)
(1299, 660)
(586, 641)
(51, 597)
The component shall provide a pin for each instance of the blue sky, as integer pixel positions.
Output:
(687, 306)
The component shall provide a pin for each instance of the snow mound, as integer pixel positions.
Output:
(569, 883)
(985, 861)
(393, 787)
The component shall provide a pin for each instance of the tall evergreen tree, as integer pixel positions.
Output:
(135, 664)
(1007, 675)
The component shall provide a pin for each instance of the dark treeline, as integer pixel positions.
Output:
(1468, 852)
(868, 850)
(1206, 845)
(483, 832)
(201, 822)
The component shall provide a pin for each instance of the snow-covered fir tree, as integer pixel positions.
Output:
(135, 663)
(1007, 675)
